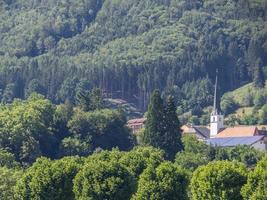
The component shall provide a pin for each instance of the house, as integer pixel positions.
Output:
(201, 132)
(136, 124)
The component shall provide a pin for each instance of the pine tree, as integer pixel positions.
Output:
(259, 79)
(154, 130)
(96, 99)
(89, 100)
(172, 136)
(83, 99)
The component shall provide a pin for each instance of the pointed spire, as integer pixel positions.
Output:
(215, 111)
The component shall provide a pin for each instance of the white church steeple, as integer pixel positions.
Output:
(216, 119)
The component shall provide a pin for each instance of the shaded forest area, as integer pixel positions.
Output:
(130, 47)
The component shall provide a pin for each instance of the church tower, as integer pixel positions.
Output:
(216, 119)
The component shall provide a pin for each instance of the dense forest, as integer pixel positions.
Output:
(128, 48)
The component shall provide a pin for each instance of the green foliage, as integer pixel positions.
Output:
(101, 128)
(259, 100)
(166, 182)
(62, 116)
(245, 154)
(67, 90)
(129, 48)
(36, 127)
(255, 187)
(89, 101)
(83, 100)
(192, 144)
(141, 173)
(96, 99)
(73, 146)
(172, 136)
(105, 156)
(34, 87)
(194, 120)
(228, 104)
(218, 180)
(263, 115)
(162, 127)
(250, 119)
(137, 160)
(24, 128)
(196, 153)
(259, 79)
(154, 126)
(9, 93)
(247, 99)
(7, 159)
(190, 160)
(103, 180)
(9, 178)
(47, 179)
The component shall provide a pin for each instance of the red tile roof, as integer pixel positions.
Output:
(238, 131)
(136, 121)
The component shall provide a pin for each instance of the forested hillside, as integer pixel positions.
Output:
(130, 47)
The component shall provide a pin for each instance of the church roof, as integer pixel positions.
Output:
(234, 141)
(204, 131)
(238, 131)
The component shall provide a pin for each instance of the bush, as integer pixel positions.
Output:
(140, 158)
(9, 178)
(259, 100)
(255, 189)
(218, 180)
(247, 99)
(103, 180)
(190, 160)
(49, 180)
(7, 159)
(228, 104)
(167, 181)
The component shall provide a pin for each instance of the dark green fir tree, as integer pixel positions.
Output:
(83, 99)
(154, 130)
(172, 136)
(259, 79)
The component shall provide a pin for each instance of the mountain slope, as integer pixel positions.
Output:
(130, 47)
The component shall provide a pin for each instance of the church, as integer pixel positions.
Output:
(223, 136)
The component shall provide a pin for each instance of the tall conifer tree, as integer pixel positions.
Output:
(172, 135)
(162, 126)
(154, 130)
(259, 79)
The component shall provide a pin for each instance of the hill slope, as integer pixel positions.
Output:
(246, 105)
(130, 47)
